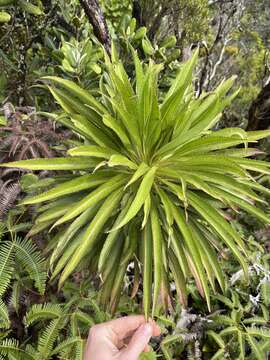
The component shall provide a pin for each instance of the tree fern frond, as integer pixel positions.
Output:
(8, 196)
(2, 230)
(48, 337)
(32, 351)
(30, 258)
(15, 297)
(68, 344)
(40, 312)
(11, 347)
(79, 350)
(4, 316)
(6, 264)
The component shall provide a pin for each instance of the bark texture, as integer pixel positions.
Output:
(259, 111)
(95, 15)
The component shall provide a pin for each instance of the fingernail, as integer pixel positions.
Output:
(147, 329)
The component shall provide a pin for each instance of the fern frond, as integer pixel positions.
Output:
(241, 344)
(219, 355)
(224, 300)
(8, 196)
(255, 320)
(48, 337)
(20, 227)
(6, 265)
(32, 351)
(40, 312)
(79, 350)
(218, 339)
(15, 297)
(230, 330)
(258, 332)
(10, 347)
(84, 318)
(265, 346)
(224, 320)
(68, 344)
(30, 258)
(265, 292)
(100, 315)
(256, 350)
(4, 316)
(2, 230)
(265, 312)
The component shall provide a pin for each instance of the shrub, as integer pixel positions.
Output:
(149, 184)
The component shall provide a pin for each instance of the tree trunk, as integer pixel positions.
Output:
(95, 15)
(259, 111)
(137, 13)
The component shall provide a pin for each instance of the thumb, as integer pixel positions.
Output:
(138, 342)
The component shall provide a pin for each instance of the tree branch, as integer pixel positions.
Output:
(259, 111)
(95, 15)
(137, 13)
(157, 22)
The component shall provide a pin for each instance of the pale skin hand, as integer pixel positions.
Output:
(122, 339)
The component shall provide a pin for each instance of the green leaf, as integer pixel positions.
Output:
(227, 233)
(179, 279)
(93, 198)
(39, 312)
(255, 348)
(30, 8)
(147, 269)
(73, 228)
(111, 238)
(69, 187)
(192, 247)
(120, 160)
(31, 259)
(117, 128)
(143, 192)
(92, 132)
(78, 92)
(10, 347)
(157, 255)
(72, 163)
(92, 151)
(91, 233)
(6, 264)
(142, 169)
(4, 18)
(4, 316)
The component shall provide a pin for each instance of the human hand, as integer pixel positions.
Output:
(121, 339)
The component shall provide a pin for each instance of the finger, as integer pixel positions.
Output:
(125, 325)
(138, 342)
(124, 344)
(147, 348)
(156, 328)
(128, 336)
